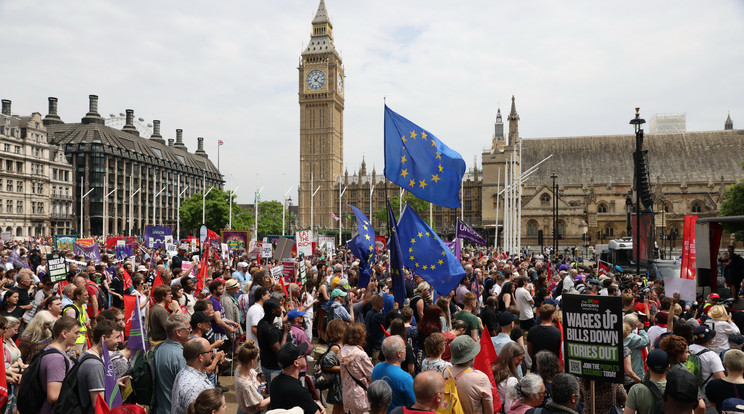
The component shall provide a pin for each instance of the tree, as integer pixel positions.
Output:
(270, 218)
(217, 214)
(420, 206)
(733, 205)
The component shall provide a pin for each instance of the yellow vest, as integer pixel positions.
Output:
(82, 317)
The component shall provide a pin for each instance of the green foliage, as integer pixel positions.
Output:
(217, 214)
(420, 206)
(270, 218)
(733, 205)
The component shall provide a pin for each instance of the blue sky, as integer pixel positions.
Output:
(228, 70)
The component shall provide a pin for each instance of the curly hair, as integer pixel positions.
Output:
(434, 344)
(548, 365)
(356, 334)
(675, 346)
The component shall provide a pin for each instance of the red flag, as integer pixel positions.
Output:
(201, 277)
(3, 381)
(127, 279)
(483, 361)
(560, 350)
(60, 287)
(101, 406)
(130, 301)
(211, 236)
(603, 269)
(284, 287)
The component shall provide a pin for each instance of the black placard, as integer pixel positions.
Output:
(57, 267)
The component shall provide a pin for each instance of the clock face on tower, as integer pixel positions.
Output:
(340, 84)
(315, 79)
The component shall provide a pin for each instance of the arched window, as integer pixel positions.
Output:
(561, 228)
(19, 232)
(545, 199)
(609, 231)
(697, 207)
(602, 208)
(532, 228)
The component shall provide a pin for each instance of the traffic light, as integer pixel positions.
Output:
(540, 237)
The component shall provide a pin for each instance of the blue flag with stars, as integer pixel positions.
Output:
(363, 245)
(420, 163)
(396, 260)
(426, 254)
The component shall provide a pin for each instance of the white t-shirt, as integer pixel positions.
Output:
(710, 362)
(255, 313)
(523, 303)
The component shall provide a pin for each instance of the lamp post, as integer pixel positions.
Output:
(340, 215)
(105, 210)
(555, 214)
(178, 223)
(284, 207)
(637, 122)
(81, 203)
(229, 200)
(131, 210)
(154, 215)
(256, 198)
(371, 192)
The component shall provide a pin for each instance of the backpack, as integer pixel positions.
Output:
(102, 297)
(693, 365)
(329, 313)
(143, 380)
(69, 397)
(450, 399)
(659, 406)
(30, 390)
(322, 379)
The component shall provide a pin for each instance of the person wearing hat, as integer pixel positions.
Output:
(336, 308)
(240, 274)
(286, 390)
(473, 386)
(718, 390)
(721, 322)
(710, 362)
(230, 305)
(506, 324)
(681, 393)
(642, 397)
(297, 320)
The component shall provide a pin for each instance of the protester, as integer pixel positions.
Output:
(506, 372)
(169, 361)
(473, 386)
(192, 379)
(211, 401)
(331, 366)
(55, 363)
(92, 371)
(379, 396)
(247, 386)
(286, 390)
(527, 394)
(356, 369)
(721, 322)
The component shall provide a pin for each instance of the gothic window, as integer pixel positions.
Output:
(561, 228)
(545, 199)
(697, 207)
(532, 228)
(602, 208)
(609, 231)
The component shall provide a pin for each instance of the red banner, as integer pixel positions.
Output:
(645, 240)
(379, 243)
(129, 241)
(689, 269)
(130, 301)
(603, 269)
(3, 381)
(289, 270)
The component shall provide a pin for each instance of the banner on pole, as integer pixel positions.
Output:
(284, 247)
(289, 269)
(593, 337)
(267, 250)
(91, 252)
(64, 241)
(689, 258)
(155, 236)
(235, 240)
(380, 243)
(86, 242)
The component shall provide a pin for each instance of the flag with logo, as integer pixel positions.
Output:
(396, 260)
(426, 254)
(602, 269)
(112, 394)
(363, 245)
(137, 340)
(130, 302)
(419, 162)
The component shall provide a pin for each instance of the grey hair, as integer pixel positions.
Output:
(529, 385)
(379, 395)
(631, 319)
(13, 321)
(563, 387)
(176, 321)
(391, 346)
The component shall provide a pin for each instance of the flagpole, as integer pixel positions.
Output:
(498, 187)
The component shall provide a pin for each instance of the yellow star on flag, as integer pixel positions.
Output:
(422, 183)
(435, 178)
(440, 261)
(412, 258)
(413, 134)
(443, 253)
(439, 156)
(412, 183)
(370, 247)
(420, 235)
(427, 234)
(403, 138)
(440, 168)
(423, 134)
(413, 241)
(410, 249)
(433, 144)
(404, 173)
(433, 267)
(403, 159)
(426, 267)
(366, 236)
(417, 265)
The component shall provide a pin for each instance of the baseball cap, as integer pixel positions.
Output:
(505, 318)
(715, 296)
(289, 352)
(682, 386)
(337, 292)
(242, 264)
(736, 339)
(657, 361)
(294, 313)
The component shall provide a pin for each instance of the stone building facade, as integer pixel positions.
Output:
(126, 172)
(35, 178)
(689, 173)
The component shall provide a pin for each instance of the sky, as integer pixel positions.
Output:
(228, 70)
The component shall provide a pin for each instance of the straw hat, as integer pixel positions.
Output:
(718, 312)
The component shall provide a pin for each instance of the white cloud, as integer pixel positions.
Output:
(228, 70)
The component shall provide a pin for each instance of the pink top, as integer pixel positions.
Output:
(360, 366)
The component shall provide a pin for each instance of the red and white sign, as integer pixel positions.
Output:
(304, 240)
(689, 260)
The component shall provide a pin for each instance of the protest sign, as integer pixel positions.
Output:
(283, 248)
(57, 267)
(593, 336)
(380, 243)
(302, 271)
(277, 272)
(304, 242)
(225, 252)
(86, 242)
(289, 269)
(155, 236)
(6, 236)
(267, 250)
(91, 252)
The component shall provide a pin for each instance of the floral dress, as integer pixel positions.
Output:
(354, 361)
(246, 391)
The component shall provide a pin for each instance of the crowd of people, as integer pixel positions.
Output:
(320, 341)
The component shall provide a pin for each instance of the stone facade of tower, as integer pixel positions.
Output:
(321, 98)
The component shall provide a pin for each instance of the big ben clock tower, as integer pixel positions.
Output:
(321, 96)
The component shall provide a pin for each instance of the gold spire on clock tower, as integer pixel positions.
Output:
(321, 99)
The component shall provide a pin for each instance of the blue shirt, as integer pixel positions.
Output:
(400, 381)
(169, 362)
(241, 277)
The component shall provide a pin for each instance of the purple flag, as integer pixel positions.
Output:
(155, 236)
(137, 340)
(123, 252)
(15, 258)
(113, 394)
(464, 231)
(93, 252)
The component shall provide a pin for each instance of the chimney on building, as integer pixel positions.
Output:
(179, 140)
(170, 142)
(6, 107)
(200, 148)
(92, 117)
(52, 117)
(129, 126)
(156, 132)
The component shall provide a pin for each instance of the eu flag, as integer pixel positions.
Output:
(420, 163)
(426, 254)
(363, 245)
(396, 260)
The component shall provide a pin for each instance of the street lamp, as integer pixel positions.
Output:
(284, 207)
(81, 204)
(255, 204)
(637, 122)
(555, 214)
(154, 220)
(340, 215)
(229, 200)
(131, 209)
(178, 222)
(105, 209)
